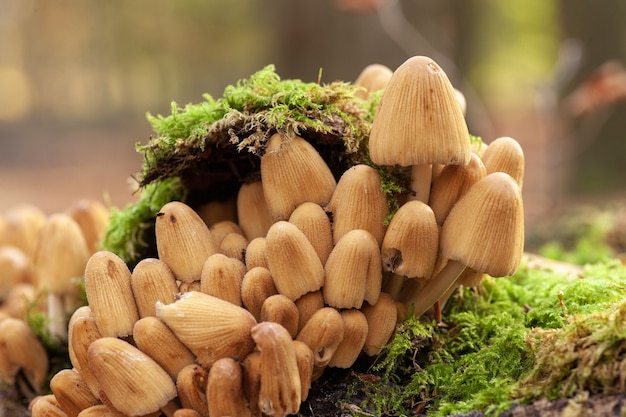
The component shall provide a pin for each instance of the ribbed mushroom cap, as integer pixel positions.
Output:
(132, 381)
(221, 277)
(505, 154)
(252, 212)
(280, 309)
(372, 78)
(256, 286)
(485, 229)
(183, 240)
(322, 333)
(353, 271)
(304, 359)
(307, 305)
(82, 332)
(293, 172)
(255, 253)
(234, 246)
(381, 318)
(15, 267)
(71, 392)
(191, 384)
(222, 228)
(419, 120)
(151, 281)
(355, 329)
(93, 218)
(452, 182)
(359, 203)
(314, 222)
(292, 260)
(209, 326)
(412, 241)
(46, 406)
(110, 295)
(225, 389)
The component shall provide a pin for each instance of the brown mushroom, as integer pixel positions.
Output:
(222, 276)
(313, 221)
(191, 384)
(280, 309)
(224, 390)
(505, 154)
(354, 335)
(256, 286)
(71, 392)
(323, 333)
(93, 218)
(372, 78)
(255, 253)
(381, 319)
(151, 281)
(252, 211)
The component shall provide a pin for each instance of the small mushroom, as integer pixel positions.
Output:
(82, 332)
(293, 172)
(234, 246)
(110, 295)
(151, 281)
(381, 320)
(183, 240)
(222, 276)
(505, 154)
(322, 333)
(93, 218)
(216, 211)
(224, 390)
(307, 305)
(252, 211)
(280, 309)
(191, 384)
(257, 285)
(372, 78)
(313, 221)
(223, 228)
(353, 271)
(292, 260)
(354, 335)
(210, 327)
(252, 382)
(305, 361)
(255, 253)
(359, 202)
(46, 406)
(122, 369)
(71, 392)
(418, 123)
(22, 224)
(15, 268)
(280, 391)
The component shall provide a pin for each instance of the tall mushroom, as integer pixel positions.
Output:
(419, 122)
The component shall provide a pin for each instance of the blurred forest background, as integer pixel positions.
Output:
(78, 76)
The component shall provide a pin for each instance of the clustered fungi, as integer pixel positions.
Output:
(237, 319)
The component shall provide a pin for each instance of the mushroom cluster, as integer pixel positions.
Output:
(239, 318)
(42, 261)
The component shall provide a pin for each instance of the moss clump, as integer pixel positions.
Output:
(538, 334)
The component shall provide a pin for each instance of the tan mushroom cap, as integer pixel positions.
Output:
(221, 229)
(46, 406)
(191, 384)
(222, 276)
(252, 211)
(225, 389)
(151, 281)
(183, 240)
(257, 285)
(255, 253)
(280, 309)
(505, 154)
(485, 229)
(15, 267)
(355, 333)
(419, 120)
(71, 392)
(314, 222)
(372, 78)
(381, 318)
(121, 369)
(93, 218)
(412, 241)
(293, 172)
(322, 333)
(22, 223)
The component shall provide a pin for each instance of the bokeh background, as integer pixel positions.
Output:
(77, 78)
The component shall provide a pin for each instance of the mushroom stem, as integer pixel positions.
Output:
(421, 176)
(435, 288)
(56, 317)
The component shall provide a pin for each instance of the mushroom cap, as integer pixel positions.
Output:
(505, 154)
(225, 389)
(252, 211)
(419, 119)
(191, 384)
(152, 280)
(221, 277)
(485, 229)
(381, 319)
(355, 332)
(322, 333)
(71, 392)
(372, 78)
(293, 172)
(315, 224)
(256, 286)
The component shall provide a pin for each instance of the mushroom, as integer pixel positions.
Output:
(484, 231)
(322, 333)
(93, 218)
(280, 309)
(191, 384)
(210, 327)
(224, 390)
(222, 276)
(505, 154)
(381, 322)
(223, 228)
(252, 382)
(234, 246)
(83, 331)
(305, 361)
(15, 268)
(372, 78)
(110, 295)
(353, 271)
(121, 369)
(313, 221)
(60, 257)
(354, 335)
(252, 211)
(255, 253)
(418, 123)
(22, 223)
(292, 260)
(280, 390)
(216, 211)
(183, 240)
(359, 202)
(71, 392)
(156, 340)
(293, 172)
(151, 281)
(256, 286)
(46, 406)
(307, 305)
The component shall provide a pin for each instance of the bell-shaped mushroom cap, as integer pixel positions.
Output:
(110, 295)
(183, 240)
(252, 211)
(353, 271)
(293, 172)
(256, 286)
(255, 253)
(307, 305)
(234, 246)
(322, 333)
(93, 218)
(15, 268)
(281, 310)
(156, 340)
(354, 334)
(21, 227)
(221, 277)
(452, 182)
(121, 369)
(372, 78)
(419, 120)
(313, 221)
(505, 154)
(292, 260)
(151, 281)
(304, 359)
(485, 229)
(381, 318)
(412, 241)
(22, 350)
(280, 392)
(359, 203)
(221, 229)
(82, 332)
(46, 406)
(225, 389)
(191, 384)
(209, 326)
(71, 392)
